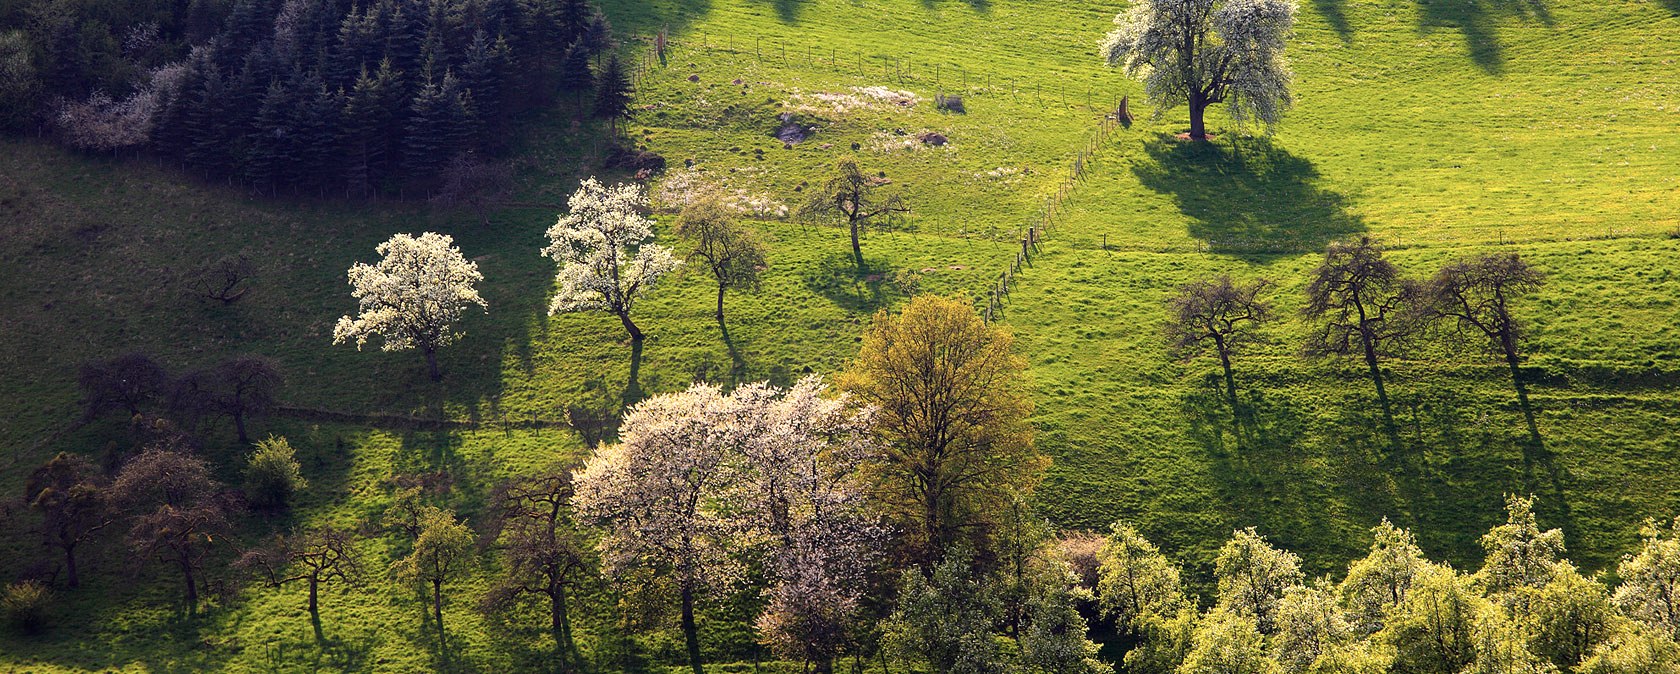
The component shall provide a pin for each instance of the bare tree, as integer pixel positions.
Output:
(73, 504)
(548, 554)
(1475, 295)
(126, 383)
(472, 182)
(1217, 312)
(732, 253)
(178, 512)
(851, 196)
(316, 556)
(246, 386)
(225, 280)
(1360, 300)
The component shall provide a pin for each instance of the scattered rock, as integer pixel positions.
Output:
(932, 138)
(694, 78)
(736, 81)
(791, 131)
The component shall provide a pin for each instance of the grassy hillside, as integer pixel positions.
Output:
(1444, 128)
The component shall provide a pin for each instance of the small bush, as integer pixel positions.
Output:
(950, 104)
(24, 606)
(271, 475)
(633, 160)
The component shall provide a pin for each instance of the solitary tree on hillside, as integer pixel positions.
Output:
(548, 555)
(240, 387)
(442, 551)
(851, 197)
(413, 297)
(952, 419)
(73, 504)
(1217, 312)
(178, 513)
(1360, 299)
(729, 250)
(315, 556)
(605, 249)
(1475, 294)
(1202, 52)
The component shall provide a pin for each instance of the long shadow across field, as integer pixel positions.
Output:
(1248, 198)
(1336, 15)
(1478, 20)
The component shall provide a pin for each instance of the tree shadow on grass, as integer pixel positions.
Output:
(1478, 20)
(837, 278)
(1251, 198)
(787, 11)
(1264, 474)
(1336, 15)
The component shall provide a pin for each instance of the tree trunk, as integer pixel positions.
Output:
(691, 634)
(239, 425)
(431, 364)
(630, 326)
(314, 594)
(1198, 110)
(857, 248)
(720, 304)
(70, 566)
(192, 587)
(930, 521)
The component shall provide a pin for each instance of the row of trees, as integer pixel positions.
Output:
(306, 93)
(1361, 305)
(1526, 611)
(814, 508)
(604, 247)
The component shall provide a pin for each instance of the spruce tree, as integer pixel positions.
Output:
(613, 93)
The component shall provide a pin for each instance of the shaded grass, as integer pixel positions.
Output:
(1561, 139)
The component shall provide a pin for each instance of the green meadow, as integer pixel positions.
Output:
(1442, 128)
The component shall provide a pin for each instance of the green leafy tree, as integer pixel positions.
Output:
(442, 552)
(1228, 643)
(730, 251)
(1252, 577)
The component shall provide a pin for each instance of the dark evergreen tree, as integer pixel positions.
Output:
(367, 128)
(613, 93)
(575, 76)
(573, 18)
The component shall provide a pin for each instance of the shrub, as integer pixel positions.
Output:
(24, 606)
(271, 475)
(950, 104)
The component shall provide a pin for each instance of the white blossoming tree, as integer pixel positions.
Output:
(703, 481)
(604, 247)
(652, 491)
(794, 475)
(413, 296)
(1202, 52)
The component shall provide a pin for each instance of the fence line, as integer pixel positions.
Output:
(1045, 220)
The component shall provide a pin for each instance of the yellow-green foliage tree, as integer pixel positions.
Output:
(951, 419)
